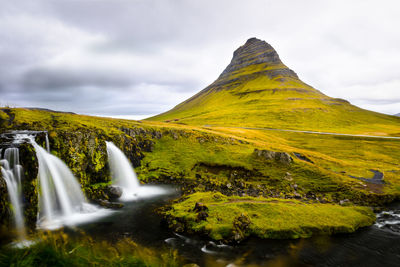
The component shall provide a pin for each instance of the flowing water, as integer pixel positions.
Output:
(12, 172)
(371, 246)
(124, 176)
(61, 200)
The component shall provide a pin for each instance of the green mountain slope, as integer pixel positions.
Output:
(258, 90)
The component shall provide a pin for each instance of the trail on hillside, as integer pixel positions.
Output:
(300, 131)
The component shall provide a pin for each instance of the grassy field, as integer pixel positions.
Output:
(223, 159)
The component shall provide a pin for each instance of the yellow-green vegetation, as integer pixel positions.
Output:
(234, 218)
(223, 159)
(60, 249)
(260, 91)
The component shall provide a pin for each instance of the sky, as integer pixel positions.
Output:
(133, 59)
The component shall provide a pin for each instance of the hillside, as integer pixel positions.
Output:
(257, 90)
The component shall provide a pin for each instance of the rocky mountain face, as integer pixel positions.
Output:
(254, 52)
(253, 59)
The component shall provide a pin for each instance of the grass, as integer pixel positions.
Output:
(260, 101)
(206, 159)
(60, 249)
(265, 217)
(190, 152)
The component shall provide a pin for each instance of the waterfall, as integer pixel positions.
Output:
(122, 172)
(47, 142)
(12, 173)
(124, 176)
(61, 200)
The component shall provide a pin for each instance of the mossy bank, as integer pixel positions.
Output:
(234, 162)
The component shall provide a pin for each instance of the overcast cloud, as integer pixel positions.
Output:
(139, 58)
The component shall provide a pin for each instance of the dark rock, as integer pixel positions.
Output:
(114, 192)
(200, 207)
(202, 216)
(302, 157)
(109, 205)
(296, 195)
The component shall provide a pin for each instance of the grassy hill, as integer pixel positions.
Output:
(258, 90)
(206, 145)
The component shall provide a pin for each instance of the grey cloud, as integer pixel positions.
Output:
(55, 79)
(145, 56)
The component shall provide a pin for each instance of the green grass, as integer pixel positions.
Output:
(192, 153)
(59, 249)
(265, 217)
(260, 101)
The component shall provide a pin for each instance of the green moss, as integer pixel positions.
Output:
(238, 217)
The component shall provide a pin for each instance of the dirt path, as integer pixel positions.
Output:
(309, 132)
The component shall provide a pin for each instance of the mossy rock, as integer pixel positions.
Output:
(235, 218)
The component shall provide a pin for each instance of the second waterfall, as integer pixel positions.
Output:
(124, 176)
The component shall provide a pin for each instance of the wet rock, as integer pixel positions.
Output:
(109, 205)
(114, 192)
(241, 224)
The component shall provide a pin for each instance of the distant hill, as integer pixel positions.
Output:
(257, 90)
(398, 114)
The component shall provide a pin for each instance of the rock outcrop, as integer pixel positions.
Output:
(281, 157)
(254, 52)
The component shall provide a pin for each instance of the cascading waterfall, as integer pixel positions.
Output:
(122, 172)
(61, 201)
(124, 176)
(12, 173)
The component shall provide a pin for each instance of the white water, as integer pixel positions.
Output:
(124, 176)
(61, 201)
(12, 173)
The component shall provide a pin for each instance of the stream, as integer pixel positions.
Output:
(378, 245)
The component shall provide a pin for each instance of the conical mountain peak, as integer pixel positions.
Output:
(256, 52)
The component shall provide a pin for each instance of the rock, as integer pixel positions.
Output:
(282, 157)
(114, 192)
(109, 205)
(200, 207)
(288, 177)
(202, 216)
(344, 202)
(229, 185)
(253, 52)
(296, 195)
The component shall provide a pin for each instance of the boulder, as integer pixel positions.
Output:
(281, 157)
(114, 192)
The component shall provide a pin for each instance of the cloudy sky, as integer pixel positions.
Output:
(138, 58)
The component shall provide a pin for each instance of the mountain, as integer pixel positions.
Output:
(257, 90)
(398, 114)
